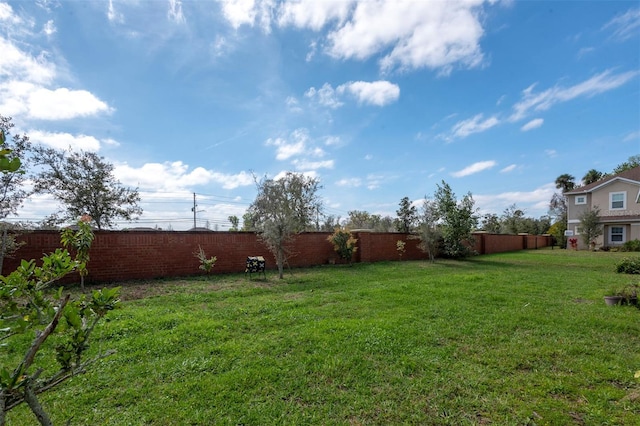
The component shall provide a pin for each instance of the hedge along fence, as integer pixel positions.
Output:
(132, 255)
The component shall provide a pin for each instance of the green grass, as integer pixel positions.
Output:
(509, 339)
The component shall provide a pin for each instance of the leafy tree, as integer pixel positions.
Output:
(490, 223)
(457, 221)
(234, 223)
(513, 220)
(248, 222)
(13, 161)
(631, 163)
(428, 231)
(360, 219)
(282, 208)
(407, 216)
(558, 206)
(330, 223)
(591, 226)
(592, 176)
(27, 307)
(565, 182)
(84, 183)
(343, 243)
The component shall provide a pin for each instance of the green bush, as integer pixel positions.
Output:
(628, 266)
(633, 245)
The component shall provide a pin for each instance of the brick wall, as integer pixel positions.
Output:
(126, 255)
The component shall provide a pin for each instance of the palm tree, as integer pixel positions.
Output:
(592, 176)
(565, 182)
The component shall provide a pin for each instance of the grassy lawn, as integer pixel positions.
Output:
(508, 339)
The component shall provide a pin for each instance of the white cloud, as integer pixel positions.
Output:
(287, 149)
(624, 26)
(542, 101)
(65, 140)
(113, 15)
(350, 182)
(326, 96)
(550, 152)
(417, 34)
(111, 142)
(476, 124)
(379, 93)
(374, 181)
(175, 176)
(293, 105)
(24, 91)
(533, 124)
(239, 12)
(509, 168)
(632, 136)
(314, 14)
(175, 12)
(538, 200)
(63, 104)
(7, 15)
(49, 28)
(18, 65)
(313, 165)
(413, 34)
(332, 140)
(474, 168)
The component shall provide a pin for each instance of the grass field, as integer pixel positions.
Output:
(510, 339)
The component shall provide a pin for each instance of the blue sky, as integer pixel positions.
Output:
(379, 100)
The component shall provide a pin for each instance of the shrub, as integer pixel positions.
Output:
(633, 245)
(206, 264)
(343, 243)
(628, 266)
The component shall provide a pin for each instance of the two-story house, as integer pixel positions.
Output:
(618, 199)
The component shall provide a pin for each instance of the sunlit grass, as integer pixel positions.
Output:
(516, 338)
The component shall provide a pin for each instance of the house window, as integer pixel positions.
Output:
(581, 199)
(616, 234)
(578, 230)
(618, 200)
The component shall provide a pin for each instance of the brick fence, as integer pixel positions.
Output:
(130, 255)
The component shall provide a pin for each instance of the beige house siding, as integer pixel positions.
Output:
(619, 213)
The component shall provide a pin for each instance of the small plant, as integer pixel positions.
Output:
(80, 241)
(574, 243)
(628, 265)
(206, 264)
(627, 294)
(400, 248)
(343, 243)
(29, 306)
(632, 245)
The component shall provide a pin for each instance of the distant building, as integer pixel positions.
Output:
(618, 198)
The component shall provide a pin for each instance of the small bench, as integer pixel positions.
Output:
(255, 264)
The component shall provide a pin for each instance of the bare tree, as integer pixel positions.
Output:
(282, 208)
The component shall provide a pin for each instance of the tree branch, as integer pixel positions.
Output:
(41, 337)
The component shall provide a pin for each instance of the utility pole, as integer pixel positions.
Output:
(194, 211)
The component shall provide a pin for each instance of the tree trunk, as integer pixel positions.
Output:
(3, 250)
(2, 407)
(280, 262)
(31, 399)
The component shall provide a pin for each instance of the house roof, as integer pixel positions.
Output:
(632, 175)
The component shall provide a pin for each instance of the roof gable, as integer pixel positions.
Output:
(629, 176)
